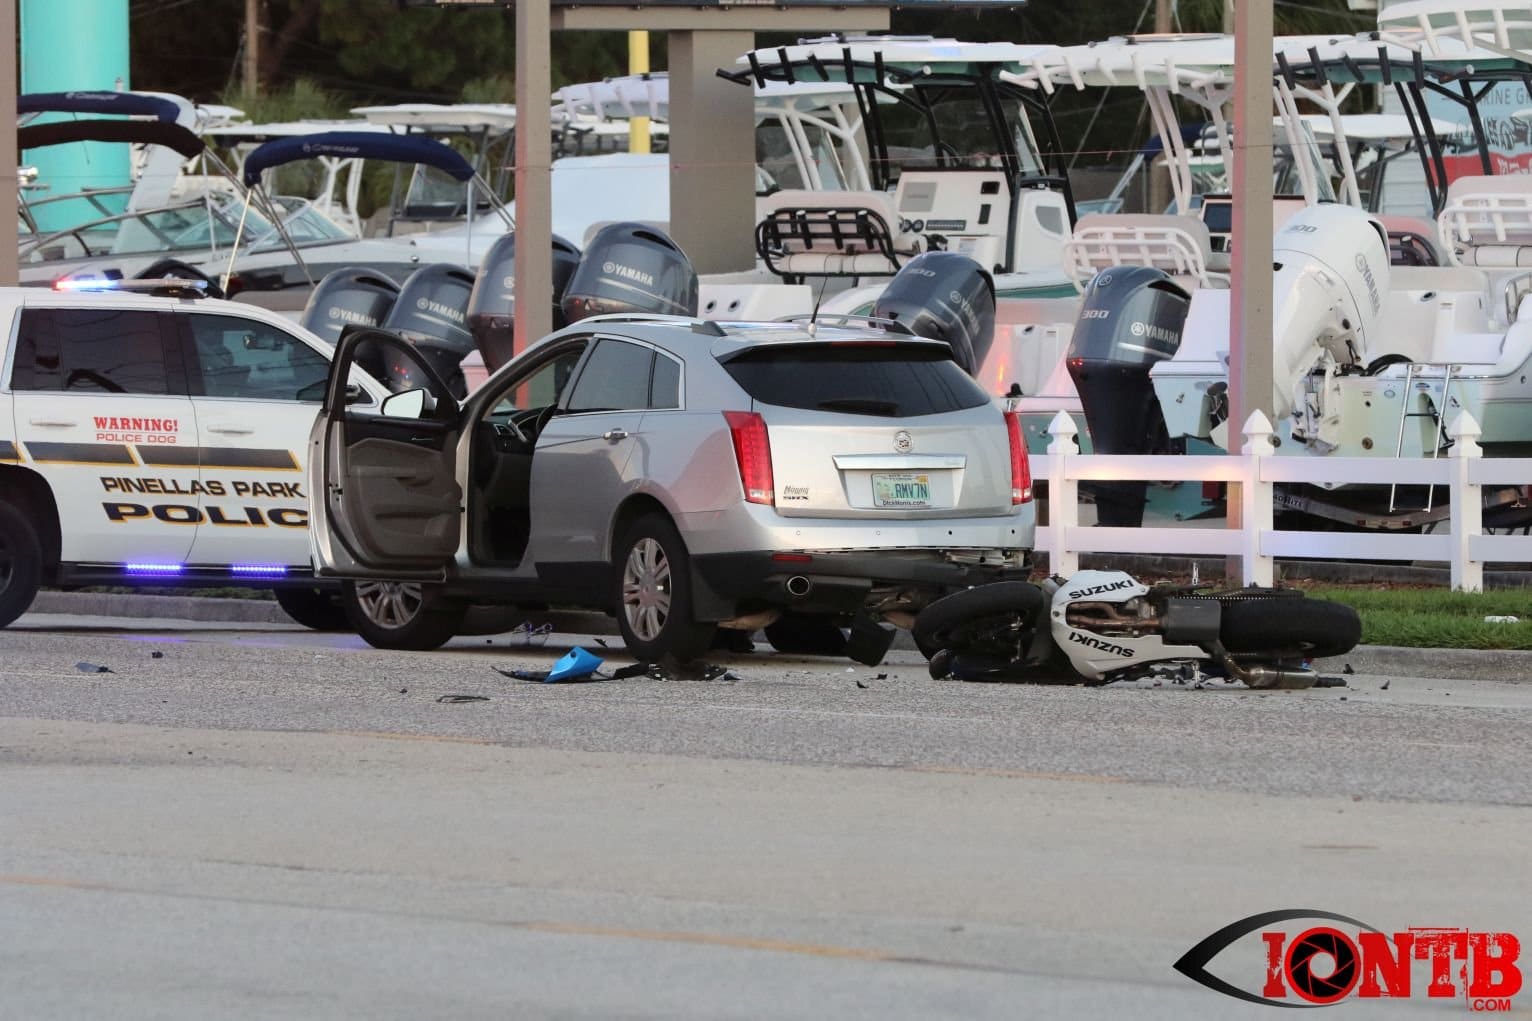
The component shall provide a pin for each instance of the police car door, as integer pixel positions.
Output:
(102, 415)
(256, 389)
(387, 502)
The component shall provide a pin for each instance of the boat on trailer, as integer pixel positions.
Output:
(1373, 357)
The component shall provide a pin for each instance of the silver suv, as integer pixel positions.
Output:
(685, 475)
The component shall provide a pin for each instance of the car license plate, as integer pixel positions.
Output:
(901, 489)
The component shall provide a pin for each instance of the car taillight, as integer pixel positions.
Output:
(752, 450)
(1021, 468)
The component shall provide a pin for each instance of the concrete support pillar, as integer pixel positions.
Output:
(1250, 343)
(534, 184)
(712, 152)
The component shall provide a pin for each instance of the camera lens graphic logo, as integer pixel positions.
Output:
(1324, 984)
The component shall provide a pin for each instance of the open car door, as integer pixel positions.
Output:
(383, 478)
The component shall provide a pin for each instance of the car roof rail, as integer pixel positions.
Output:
(167, 287)
(635, 317)
(846, 319)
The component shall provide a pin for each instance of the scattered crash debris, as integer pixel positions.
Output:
(92, 668)
(455, 699)
(576, 665)
(670, 669)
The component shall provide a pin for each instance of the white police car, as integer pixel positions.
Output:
(157, 438)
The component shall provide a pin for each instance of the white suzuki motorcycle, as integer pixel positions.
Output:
(1108, 626)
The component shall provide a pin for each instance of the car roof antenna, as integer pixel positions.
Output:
(818, 300)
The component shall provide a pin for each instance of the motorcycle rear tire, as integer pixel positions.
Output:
(1289, 628)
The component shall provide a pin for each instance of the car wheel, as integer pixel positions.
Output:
(806, 635)
(318, 609)
(401, 614)
(21, 563)
(654, 593)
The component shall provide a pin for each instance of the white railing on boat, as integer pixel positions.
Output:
(1461, 475)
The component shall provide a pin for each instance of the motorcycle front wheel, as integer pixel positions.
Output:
(987, 620)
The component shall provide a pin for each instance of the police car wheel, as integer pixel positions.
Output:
(318, 609)
(21, 563)
(401, 615)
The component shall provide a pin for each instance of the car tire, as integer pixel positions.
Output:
(804, 634)
(21, 563)
(653, 593)
(314, 608)
(401, 615)
(977, 620)
(1289, 628)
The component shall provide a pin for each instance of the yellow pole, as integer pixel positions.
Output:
(638, 63)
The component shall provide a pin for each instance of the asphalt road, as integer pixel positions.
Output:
(272, 823)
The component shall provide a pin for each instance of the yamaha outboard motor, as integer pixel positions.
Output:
(492, 305)
(944, 296)
(431, 313)
(1130, 318)
(628, 267)
(352, 295)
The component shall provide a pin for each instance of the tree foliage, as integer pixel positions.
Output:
(359, 51)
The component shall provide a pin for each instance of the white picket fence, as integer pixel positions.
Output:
(1460, 476)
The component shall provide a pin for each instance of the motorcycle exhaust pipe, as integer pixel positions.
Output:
(1258, 675)
(798, 586)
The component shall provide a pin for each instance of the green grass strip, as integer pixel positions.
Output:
(1434, 618)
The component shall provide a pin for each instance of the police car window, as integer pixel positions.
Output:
(665, 390)
(90, 350)
(616, 378)
(245, 358)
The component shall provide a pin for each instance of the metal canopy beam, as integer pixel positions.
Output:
(732, 19)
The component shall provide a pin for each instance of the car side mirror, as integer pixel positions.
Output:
(355, 394)
(407, 404)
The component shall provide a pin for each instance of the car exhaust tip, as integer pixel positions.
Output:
(798, 586)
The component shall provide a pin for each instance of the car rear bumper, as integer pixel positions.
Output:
(833, 582)
(749, 526)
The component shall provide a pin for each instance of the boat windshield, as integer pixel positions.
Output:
(435, 195)
(952, 126)
(304, 224)
(777, 159)
(204, 224)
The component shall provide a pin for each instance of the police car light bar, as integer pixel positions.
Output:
(173, 287)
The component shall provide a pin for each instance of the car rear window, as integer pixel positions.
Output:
(901, 380)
